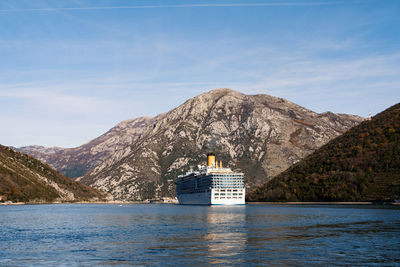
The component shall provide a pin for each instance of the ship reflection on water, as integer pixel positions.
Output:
(225, 246)
(286, 235)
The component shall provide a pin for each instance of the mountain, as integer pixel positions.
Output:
(25, 179)
(361, 165)
(75, 162)
(259, 134)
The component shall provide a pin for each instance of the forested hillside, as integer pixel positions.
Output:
(361, 165)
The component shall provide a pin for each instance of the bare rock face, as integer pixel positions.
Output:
(258, 134)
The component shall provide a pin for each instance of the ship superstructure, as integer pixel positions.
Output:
(211, 185)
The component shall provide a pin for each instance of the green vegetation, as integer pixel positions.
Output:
(361, 165)
(25, 179)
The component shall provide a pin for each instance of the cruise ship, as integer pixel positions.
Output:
(211, 185)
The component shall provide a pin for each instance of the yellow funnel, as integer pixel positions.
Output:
(210, 159)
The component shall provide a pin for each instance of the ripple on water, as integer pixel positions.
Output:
(87, 235)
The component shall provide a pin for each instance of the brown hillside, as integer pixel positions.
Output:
(25, 179)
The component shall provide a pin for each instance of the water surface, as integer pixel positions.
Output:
(163, 235)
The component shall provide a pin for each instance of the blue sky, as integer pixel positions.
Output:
(71, 70)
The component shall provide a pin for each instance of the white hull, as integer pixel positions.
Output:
(212, 198)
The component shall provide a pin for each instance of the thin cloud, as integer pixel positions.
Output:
(278, 4)
(52, 101)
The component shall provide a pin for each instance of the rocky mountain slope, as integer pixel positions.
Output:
(259, 134)
(361, 165)
(75, 162)
(25, 179)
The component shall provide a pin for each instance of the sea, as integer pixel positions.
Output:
(176, 235)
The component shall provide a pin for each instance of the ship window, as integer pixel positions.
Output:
(222, 197)
(222, 194)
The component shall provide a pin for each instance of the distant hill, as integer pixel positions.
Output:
(25, 179)
(75, 162)
(361, 165)
(260, 134)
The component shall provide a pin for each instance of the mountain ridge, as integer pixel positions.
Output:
(220, 120)
(75, 162)
(260, 134)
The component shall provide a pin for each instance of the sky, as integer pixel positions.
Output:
(71, 70)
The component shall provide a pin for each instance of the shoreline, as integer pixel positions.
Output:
(120, 202)
(58, 202)
(326, 203)
(86, 202)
